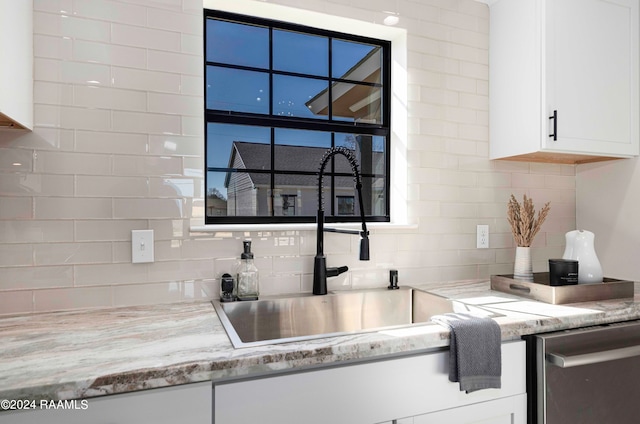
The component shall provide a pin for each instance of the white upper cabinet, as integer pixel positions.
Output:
(16, 64)
(564, 80)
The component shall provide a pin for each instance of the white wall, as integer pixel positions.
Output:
(608, 204)
(118, 141)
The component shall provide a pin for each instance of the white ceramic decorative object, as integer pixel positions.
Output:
(580, 247)
(522, 267)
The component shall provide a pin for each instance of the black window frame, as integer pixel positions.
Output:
(273, 121)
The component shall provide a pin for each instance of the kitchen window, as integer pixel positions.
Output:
(277, 96)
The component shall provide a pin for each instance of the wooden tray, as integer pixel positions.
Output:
(541, 290)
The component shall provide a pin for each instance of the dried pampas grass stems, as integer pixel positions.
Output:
(522, 218)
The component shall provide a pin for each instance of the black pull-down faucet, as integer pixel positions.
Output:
(320, 270)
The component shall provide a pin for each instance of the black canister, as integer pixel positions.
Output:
(563, 272)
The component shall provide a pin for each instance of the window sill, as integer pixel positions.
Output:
(299, 227)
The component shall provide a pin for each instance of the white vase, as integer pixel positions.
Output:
(522, 267)
(580, 247)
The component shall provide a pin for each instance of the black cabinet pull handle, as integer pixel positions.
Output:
(555, 125)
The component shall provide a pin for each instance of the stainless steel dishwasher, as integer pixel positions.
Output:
(585, 376)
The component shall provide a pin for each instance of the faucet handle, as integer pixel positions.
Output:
(335, 271)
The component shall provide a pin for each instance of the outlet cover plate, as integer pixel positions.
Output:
(482, 235)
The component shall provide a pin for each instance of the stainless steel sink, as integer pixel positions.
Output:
(287, 319)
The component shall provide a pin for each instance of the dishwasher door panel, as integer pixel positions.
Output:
(608, 392)
(588, 376)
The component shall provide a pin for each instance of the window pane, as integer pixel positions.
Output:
(300, 150)
(345, 190)
(295, 196)
(299, 97)
(301, 53)
(237, 90)
(237, 44)
(223, 140)
(244, 193)
(357, 103)
(356, 61)
(369, 151)
(373, 196)
(346, 205)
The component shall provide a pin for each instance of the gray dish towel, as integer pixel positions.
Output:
(475, 358)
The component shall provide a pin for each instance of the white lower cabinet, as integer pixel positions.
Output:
(187, 404)
(403, 390)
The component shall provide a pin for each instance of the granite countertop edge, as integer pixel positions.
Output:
(85, 354)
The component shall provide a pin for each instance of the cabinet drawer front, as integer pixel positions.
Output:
(364, 393)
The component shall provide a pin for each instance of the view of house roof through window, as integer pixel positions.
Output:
(277, 96)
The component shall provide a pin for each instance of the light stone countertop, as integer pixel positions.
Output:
(82, 354)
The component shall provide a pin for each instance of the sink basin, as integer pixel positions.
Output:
(297, 318)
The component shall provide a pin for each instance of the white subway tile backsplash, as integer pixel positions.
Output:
(52, 47)
(147, 165)
(66, 25)
(90, 51)
(110, 186)
(35, 277)
(16, 255)
(200, 290)
(72, 208)
(163, 250)
(192, 85)
(185, 64)
(192, 126)
(181, 270)
(110, 274)
(72, 117)
(109, 98)
(110, 11)
(107, 230)
(16, 160)
(30, 184)
(177, 145)
(18, 231)
(167, 20)
(72, 253)
(16, 302)
(176, 104)
(53, 6)
(53, 94)
(71, 298)
(148, 208)
(110, 143)
(49, 139)
(139, 79)
(16, 208)
(148, 294)
(134, 36)
(72, 163)
(191, 44)
(146, 123)
(118, 145)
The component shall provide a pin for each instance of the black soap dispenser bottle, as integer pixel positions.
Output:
(247, 277)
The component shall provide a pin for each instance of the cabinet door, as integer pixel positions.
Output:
(591, 76)
(188, 404)
(510, 410)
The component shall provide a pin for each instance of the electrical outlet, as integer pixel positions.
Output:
(141, 246)
(482, 236)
